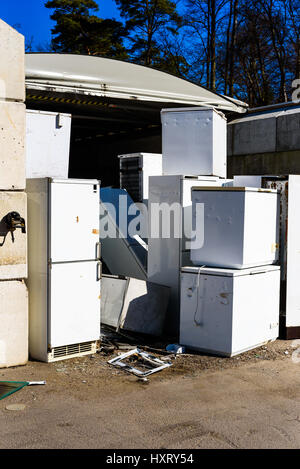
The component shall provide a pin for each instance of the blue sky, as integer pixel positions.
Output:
(32, 19)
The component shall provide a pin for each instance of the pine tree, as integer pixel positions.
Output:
(78, 30)
(148, 21)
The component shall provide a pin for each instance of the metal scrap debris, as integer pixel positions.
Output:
(139, 363)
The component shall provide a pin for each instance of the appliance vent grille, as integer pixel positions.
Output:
(73, 349)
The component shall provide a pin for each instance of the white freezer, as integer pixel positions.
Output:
(74, 214)
(64, 268)
(289, 187)
(241, 227)
(227, 311)
(194, 141)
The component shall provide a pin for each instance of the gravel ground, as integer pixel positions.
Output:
(201, 401)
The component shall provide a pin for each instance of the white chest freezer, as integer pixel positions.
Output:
(194, 141)
(289, 187)
(227, 311)
(64, 267)
(241, 227)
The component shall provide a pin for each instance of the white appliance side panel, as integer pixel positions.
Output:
(164, 253)
(219, 145)
(255, 310)
(37, 227)
(75, 219)
(47, 144)
(206, 312)
(186, 200)
(187, 142)
(74, 315)
(261, 235)
(293, 254)
(152, 166)
(167, 255)
(247, 181)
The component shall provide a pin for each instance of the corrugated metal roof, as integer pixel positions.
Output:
(110, 78)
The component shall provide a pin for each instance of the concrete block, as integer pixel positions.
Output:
(254, 136)
(288, 132)
(13, 252)
(12, 146)
(12, 69)
(14, 323)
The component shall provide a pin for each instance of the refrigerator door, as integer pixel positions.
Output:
(74, 220)
(74, 303)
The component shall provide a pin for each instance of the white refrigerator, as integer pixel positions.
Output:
(64, 267)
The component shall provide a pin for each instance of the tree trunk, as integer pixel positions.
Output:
(227, 48)
(213, 46)
(232, 47)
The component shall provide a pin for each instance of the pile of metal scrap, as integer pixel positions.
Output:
(139, 363)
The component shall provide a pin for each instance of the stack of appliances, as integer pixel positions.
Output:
(135, 169)
(289, 252)
(230, 301)
(194, 154)
(64, 267)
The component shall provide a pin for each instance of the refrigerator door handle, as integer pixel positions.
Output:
(98, 250)
(99, 271)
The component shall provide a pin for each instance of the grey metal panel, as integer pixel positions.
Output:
(145, 306)
(134, 305)
(113, 291)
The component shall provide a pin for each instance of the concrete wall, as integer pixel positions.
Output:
(13, 244)
(265, 143)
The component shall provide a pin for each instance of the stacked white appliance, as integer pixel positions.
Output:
(168, 254)
(135, 170)
(230, 301)
(289, 252)
(193, 154)
(64, 267)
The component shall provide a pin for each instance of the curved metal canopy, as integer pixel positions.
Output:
(108, 78)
